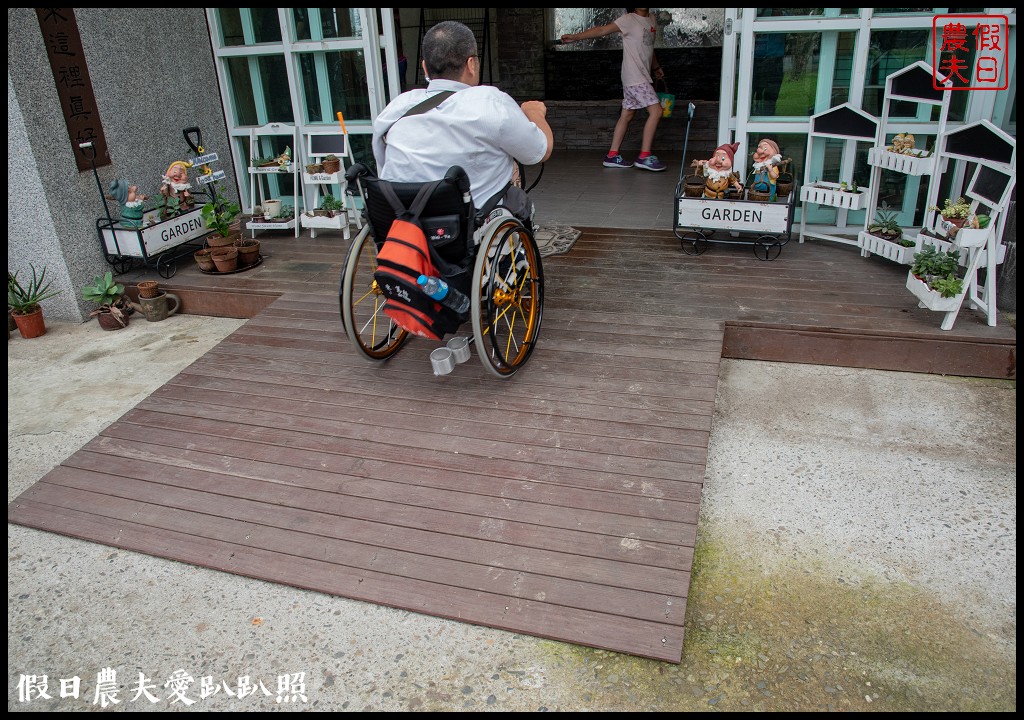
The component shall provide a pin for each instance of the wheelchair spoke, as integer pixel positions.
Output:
(373, 333)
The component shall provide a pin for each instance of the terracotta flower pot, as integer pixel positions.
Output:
(216, 240)
(108, 321)
(248, 252)
(332, 166)
(149, 288)
(31, 325)
(226, 259)
(204, 259)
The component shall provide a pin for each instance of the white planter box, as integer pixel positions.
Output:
(337, 222)
(931, 299)
(907, 164)
(965, 237)
(826, 193)
(946, 245)
(889, 250)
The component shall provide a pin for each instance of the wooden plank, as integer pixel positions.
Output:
(655, 640)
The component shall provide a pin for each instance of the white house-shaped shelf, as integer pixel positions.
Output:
(850, 124)
(916, 84)
(994, 156)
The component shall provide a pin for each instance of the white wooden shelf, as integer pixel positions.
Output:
(338, 222)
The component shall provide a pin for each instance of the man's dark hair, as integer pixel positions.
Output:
(446, 48)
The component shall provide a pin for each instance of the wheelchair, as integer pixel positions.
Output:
(498, 268)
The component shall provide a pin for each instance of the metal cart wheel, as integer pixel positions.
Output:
(166, 267)
(694, 243)
(767, 247)
(120, 263)
(375, 335)
(509, 303)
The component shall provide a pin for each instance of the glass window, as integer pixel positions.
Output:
(333, 82)
(677, 27)
(276, 97)
(266, 26)
(785, 74)
(889, 51)
(241, 92)
(326, 23)
(231, 26)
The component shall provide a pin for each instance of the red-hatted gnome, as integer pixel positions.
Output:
(718, 172)
(765, 174)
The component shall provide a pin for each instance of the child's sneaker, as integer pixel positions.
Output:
(616, 161)
(651, 163)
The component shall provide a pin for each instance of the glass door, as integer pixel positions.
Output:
(302, 66)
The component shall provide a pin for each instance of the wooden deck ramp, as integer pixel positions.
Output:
(561, 503)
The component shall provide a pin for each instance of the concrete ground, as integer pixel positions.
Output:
(856, 551)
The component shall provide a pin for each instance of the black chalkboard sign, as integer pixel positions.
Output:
(990, 184)
(333, 144)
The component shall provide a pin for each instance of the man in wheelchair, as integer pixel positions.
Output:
(446, 157)
(456, 121)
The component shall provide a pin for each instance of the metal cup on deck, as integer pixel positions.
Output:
(442, 360)
(460, 348)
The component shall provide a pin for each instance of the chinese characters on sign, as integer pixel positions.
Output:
(972, 52)
(180, 688)
(74, 88)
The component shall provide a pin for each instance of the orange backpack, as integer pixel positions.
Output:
(401, 259)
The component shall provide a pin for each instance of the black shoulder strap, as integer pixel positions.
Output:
(429, 104)
(412, 213)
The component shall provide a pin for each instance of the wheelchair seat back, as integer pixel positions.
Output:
(448, 220)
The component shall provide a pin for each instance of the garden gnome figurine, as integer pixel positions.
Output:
(718, 173)
(177, 187)
(132, 203)
(766, 171)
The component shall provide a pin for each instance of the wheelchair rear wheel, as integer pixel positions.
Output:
(374, 334)
(509, 303)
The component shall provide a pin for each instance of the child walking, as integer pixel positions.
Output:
(638, 62)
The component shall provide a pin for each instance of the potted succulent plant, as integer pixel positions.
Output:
(24, 301)
(113, 310)
(885, 225)
(955, 212)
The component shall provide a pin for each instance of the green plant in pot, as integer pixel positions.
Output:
(956, 212)
(938, 270)
(113, 310)
(220, 216)
(331, 205)
(24, 300)
(886, 226)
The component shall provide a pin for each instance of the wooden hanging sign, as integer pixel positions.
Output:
(74, 87)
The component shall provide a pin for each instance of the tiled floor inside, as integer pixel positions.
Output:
(576, 189)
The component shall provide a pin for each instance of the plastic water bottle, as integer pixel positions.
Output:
(438, 290)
